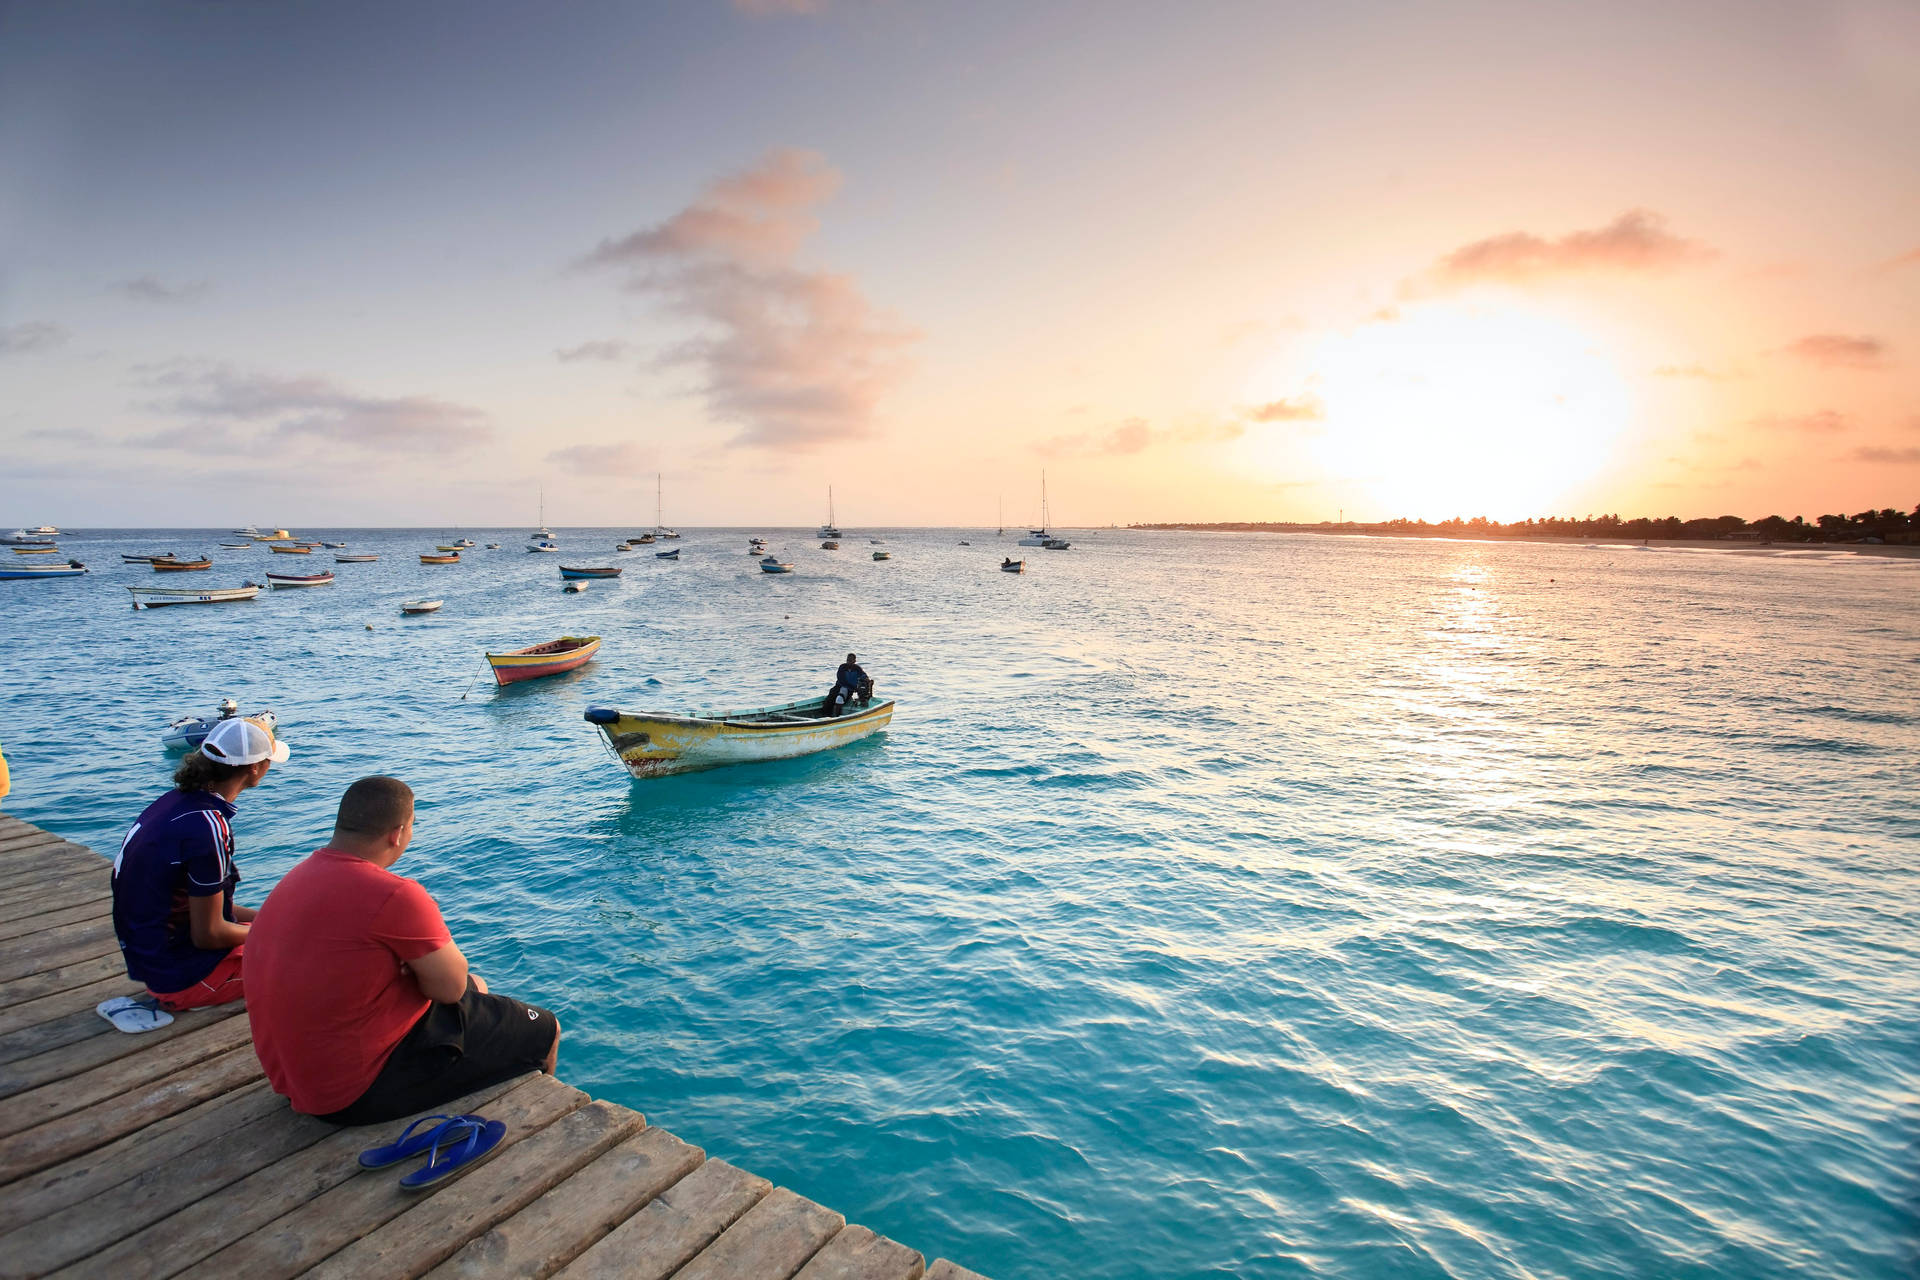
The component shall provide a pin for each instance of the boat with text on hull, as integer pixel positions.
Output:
(155, 597)
(549, 659)
(653, 744)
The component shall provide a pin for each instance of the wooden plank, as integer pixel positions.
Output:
(81, 1075)
(24, 957)
(179, 1242)
(428, 1232)
(11, 840)
(224, 1155)
(944, 1270)
(858, 1254)
(54, 862)
(22, 928)
(95, 1172)
(57, 1140)
(65, 977)
(563, 1223)
(57, 895)
(29, 1013)
(42, 849)
(773, 1239)
(72, 1067)
(674, 1227)
(81, 1024)
(327, 1223)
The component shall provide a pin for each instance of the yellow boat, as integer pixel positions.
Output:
(453, 547)
(291, 550)
(652, 744)
(277, 535)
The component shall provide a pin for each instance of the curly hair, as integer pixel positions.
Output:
(199, 772)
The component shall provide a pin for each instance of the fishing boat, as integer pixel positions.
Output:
(300, 579)
(652, 744)
(71, 569)
(180, 566)
(449, 546)
(355, 559)
(1013, 566)
(829, 529)
(24, 537)
(493, 546)
(421, 606)
(574, 587)
(337, 545)
(46, 550)
(272, 535)
(293, 550)
(883, 555)
(773, 564)
(644, 540)
(574, 571)
(463, 543)
(251, 531)
(667, 555)
(453, 558)
(187, 732)
(1055, 544)
(543, 540)
(548, 659)
(154, 597)
(237, 546)
(830, 545)
(164, 555)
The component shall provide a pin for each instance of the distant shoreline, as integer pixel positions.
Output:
(1898, 551)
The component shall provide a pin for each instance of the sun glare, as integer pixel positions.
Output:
(1450, 410)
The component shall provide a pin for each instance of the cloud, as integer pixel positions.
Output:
(1636, 242)
(1134, 436)
(600, 349)
(1824, 422)
(32, 335)
(1295, 409)
(1879, 453)
(150, 289)
(1911, 258)
(623, 459)
(314, 407)
(797, 358)
(1839, 351)
(1688, 371)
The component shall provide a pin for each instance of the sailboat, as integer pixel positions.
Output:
(1001, 532)
(1040, 537)
(659, 530)
(543, 540)
(829, 529)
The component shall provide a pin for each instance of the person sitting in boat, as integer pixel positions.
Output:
(180, 931)
(850, 684)
(362, 1008)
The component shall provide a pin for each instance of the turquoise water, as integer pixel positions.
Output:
(1216, 906)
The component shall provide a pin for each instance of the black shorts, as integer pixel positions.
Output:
(452, 1050)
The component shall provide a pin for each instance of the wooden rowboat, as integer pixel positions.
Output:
(1013, 566)
(652, 744)
(359, 559)
(420, 606)
(299, 579)
(548, 659)
(37, 551)
(163, 565)
(291, 551)
(71, 569)
(452, 559)
(154, 597)
(883, 555)
(571, 571)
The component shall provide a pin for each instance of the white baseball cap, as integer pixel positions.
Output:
(239, 741)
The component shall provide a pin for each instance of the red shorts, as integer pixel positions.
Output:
(219, 987)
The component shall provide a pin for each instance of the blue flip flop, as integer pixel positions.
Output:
(408, 1144)
(460, 1142)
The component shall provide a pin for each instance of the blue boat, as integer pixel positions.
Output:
(71, 569)
(570, 571)
(667, 555)
(773, 564)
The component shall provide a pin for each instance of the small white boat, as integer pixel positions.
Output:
(574, 586)
(773, 564)
(355, 559)
(188, 732)
(154, 597)
(421, 606)
(237, 546)
(300, 579)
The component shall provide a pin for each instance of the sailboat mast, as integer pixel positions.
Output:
(657, 526)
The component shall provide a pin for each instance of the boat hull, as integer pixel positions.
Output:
(567, 571)
(154, 597)
(302, 580)
(512, 668)
(654, 745)
(63, 571)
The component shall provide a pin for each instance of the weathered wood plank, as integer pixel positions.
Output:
(12, 840)
(428, 1232)
(95, 1172)
(78, 1075)
(773, 1239)
(65, 977)
(72, 1067)
(567, 1220)
(223, 1156)
(944, 1270)
(859, 1254)
(178, 1243)
(24, 927)
(56, 1140)
(40, 874)
(81, 1024)
(56, 895)
(38, 854)
(327, 1223)
(55, 947)
(28, 1013)
(675, 1226)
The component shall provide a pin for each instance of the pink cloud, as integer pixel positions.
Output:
(1296, 409)
(1637, 242)
(1824, 422)
(1839, 351)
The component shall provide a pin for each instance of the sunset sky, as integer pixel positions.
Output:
(329, 263)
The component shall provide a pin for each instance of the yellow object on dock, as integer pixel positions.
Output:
(166, 1153)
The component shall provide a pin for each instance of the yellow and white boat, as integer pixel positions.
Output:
(652, 744)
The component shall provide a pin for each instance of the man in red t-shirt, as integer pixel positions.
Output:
(362, 1006)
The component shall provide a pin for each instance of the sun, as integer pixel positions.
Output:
(1447, 409)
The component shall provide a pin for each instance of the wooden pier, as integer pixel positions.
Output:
(167, 1154)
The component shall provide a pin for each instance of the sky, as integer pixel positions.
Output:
(335, 264)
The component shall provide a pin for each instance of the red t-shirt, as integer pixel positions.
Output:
(325, 993)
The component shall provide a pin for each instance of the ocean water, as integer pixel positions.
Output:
(1216, 905)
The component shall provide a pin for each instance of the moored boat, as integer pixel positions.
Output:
(300, 579)
(292, 550)
(667, 555)
(237, 546)
(164, 555)
(47, 549)
(187, 732)
(449, 546)
(574, 587)
(830, 545)
(421, 606)
(549, 659)
(1013, 566)
(71, 569)
(161, 565)
(154, 597)
(883, 555)
(577, 571)
(773, 564)
(652, 744)
(355, 559)
(453, 558)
